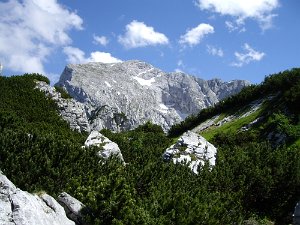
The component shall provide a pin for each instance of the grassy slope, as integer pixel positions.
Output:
(230, 127)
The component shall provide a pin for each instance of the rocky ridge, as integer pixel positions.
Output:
(19, 207)
(71, 110)
(121, 96)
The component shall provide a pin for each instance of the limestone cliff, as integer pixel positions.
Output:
(121, 96)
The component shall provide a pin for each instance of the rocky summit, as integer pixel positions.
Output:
(121, 96)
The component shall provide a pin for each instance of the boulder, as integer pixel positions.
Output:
(109, 148)
(191, 149)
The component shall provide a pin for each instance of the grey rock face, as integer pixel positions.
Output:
(191, 149)
(121, 96)
(72, 207)
(109, 148)
(296, 215)
(19, 207)
(71, 110)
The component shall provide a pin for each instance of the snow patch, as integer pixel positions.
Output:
(163, 108)
(144, 72)
(144, 82)
(108, 84)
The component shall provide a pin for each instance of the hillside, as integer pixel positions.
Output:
(255, 178)
(258, 129)
(276, 98)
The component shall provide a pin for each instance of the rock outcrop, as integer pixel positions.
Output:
(191, 149)
(71, 110)
(72, 206)
(19, 207)
(121, 96)
(109, 148)
(296, 215)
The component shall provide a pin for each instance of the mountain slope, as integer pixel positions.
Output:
(257, 133)
(254, 180)
(121, 96)
(278, 94)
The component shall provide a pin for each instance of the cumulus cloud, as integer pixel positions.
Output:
(212, 50)
(139, 34)
(100, 40)
(259, 10)
(194, 36)
(76, 56)
(247, 56)
(103, 57)
(30, 30)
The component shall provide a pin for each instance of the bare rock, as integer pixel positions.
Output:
(19, 207)
(122, 96)
(109, 148)
(71, 110)
(191, 149)
(72, 206)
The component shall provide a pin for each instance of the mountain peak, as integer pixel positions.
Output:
(140, 92)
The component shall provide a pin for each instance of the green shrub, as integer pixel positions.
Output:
(62, 91)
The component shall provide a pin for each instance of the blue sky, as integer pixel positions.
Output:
(227, 39)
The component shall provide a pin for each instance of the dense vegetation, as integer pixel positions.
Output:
(252, 179)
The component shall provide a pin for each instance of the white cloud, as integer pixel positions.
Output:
(30, 30)
(214, 51)
(180, 63)
(101, 40)
(103, 57)
(235, 25)
(76, 56)
(178, 70)
(248, 56)
(180, 66)
(139, 34)
(195, 35)
(259, 10)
